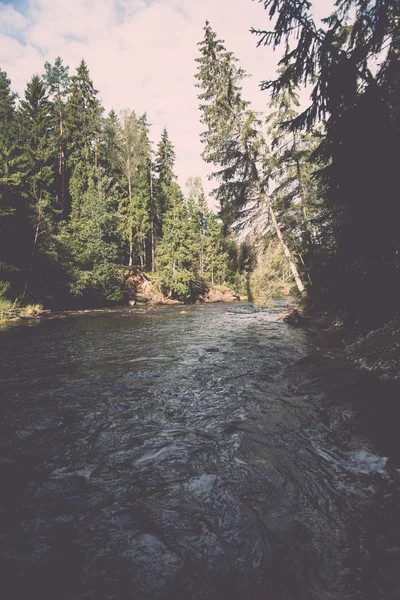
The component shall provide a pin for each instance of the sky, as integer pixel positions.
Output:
(141, 55)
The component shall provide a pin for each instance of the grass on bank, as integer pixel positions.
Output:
(17, 307)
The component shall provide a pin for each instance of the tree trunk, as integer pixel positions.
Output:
(130, 249)
(143, 253)
(61, 165)
(288, 254)
(130, 227)
(201, 257)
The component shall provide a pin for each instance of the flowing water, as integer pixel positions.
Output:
(151, 454)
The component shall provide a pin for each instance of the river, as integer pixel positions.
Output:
(158, 454)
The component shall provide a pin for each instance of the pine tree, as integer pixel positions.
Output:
(233, 141)
(345, 63)
(110, 147)
(198, 216)
(57, 82)
(135, 156)
(165, 160)
(177, 260)
(82, 133)
(163, 188)
(11, 201)
(91, 243)
(226, 116)
(37, 154)
(164, 168)
(216, 259)
(7, 99)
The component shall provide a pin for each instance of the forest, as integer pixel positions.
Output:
(306, 197)
(85, 202)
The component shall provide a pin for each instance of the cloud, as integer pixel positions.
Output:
(11, 21)
(141, 55)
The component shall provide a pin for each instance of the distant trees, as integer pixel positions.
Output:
(83, 198)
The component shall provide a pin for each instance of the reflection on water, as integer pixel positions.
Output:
(158, 455)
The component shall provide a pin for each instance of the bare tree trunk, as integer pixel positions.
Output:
(143, 253)
(201, 261)
(130, 229)
(286, 251)
(61, 165)
(130, 249)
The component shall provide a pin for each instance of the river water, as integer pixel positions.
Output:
(154, 454)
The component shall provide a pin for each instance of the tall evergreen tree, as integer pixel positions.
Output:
(57, 82)
(199, 216)
(164, 168)
(135, 154)
(351, 95)
(110, 148)
(233, 140)
(37, 154)
(176, 264)
(82, 133)
(164, 185)
(11, 201)
(91, 243)
(224, 114)
(7, 99)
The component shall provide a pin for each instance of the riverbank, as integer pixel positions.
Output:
(26, 312)
(376, 350)
(146, 295)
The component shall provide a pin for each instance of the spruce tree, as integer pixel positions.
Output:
(11, 201)
(37, 158)
(110, 148)
(177, 261)
(224, 113)
(91, 243)
(198, 216)
(82, 134)
(346, 61)
(164, 186)
(58, 82)
(135, 156)
(234, 141)
(164, 168)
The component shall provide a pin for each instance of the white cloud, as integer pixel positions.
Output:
(11, 21)
(140, 54)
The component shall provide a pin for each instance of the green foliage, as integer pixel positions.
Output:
(81, 199)
(166, 181)
(134, 160)
(270, 274)
(352, 62)
(92, 240)
(231, 140)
